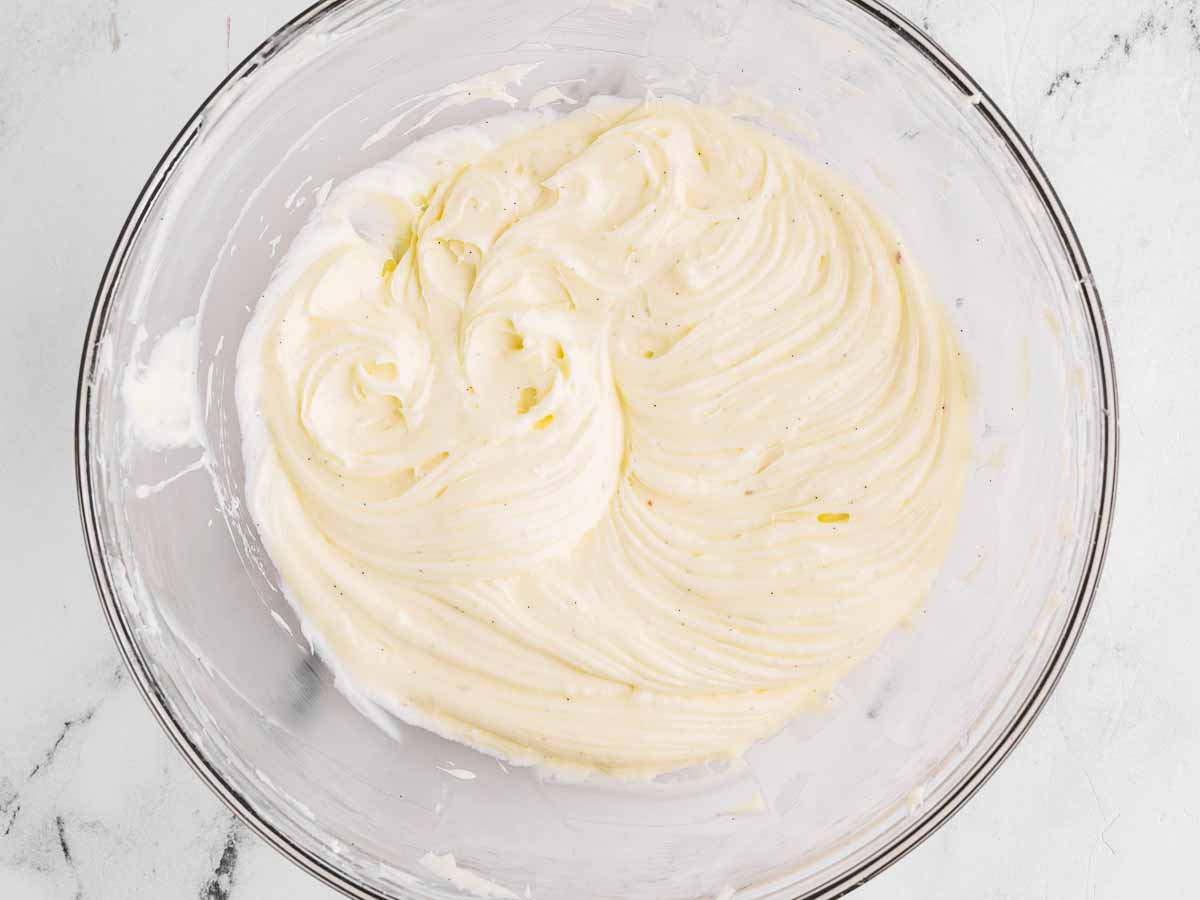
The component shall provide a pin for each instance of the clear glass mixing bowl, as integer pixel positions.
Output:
(906, 739)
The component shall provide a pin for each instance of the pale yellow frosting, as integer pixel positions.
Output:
(604, 442)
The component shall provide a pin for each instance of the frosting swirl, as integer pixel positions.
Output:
(603, 442)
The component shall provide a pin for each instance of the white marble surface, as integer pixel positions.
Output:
(1101, 799)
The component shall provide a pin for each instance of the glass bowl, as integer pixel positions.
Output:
(379, 809)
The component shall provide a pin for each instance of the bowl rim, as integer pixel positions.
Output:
(924, 825)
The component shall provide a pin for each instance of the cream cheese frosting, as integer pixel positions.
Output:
(605, 442)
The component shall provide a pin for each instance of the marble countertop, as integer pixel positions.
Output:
(1100, 800)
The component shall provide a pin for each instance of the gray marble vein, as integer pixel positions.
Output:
(10, 801)
(1148, 26)
(220, 884)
